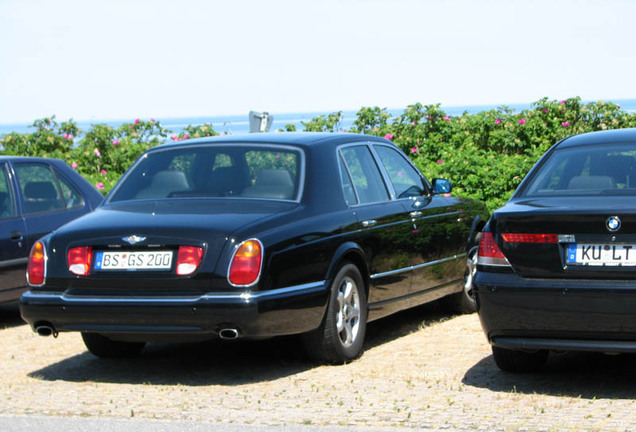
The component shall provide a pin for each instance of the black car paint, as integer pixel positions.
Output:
(19, 232)
(413, 253)
(541, 302)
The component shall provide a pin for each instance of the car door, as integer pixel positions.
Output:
(385, 228)
(13, 249)
(438, 241)
(48, 200)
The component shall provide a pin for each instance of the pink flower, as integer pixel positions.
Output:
(175, 137)
(447, 118)
(565, 124)
(439, 161)
(388, 136)
(414, 124)
(103, 172)
(68, 137)
(99, 185)
(498, 121)
(446, 195)
(522, 121)
(562, 102)
(136, 121)
(185, 137)
(74, 165)
(414, 150)
(544, 110)
(97, 152)
(152, 120)
(116, 142)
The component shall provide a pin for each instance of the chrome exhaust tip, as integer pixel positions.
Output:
(229, 334)
(45, 330)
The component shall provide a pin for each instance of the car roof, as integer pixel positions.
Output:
(27, 159)
(600, 137)
(303, 139)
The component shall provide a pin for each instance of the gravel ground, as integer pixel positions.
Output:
(422, 369)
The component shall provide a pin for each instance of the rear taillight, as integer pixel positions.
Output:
(489, 252)
(188, 259)
(529, 238)
(245, 268)
(36, 268)
(79, 260)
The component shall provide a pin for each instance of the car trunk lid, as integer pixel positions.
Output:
(149, 227)
(569, 237)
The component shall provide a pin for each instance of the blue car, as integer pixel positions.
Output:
(37, 195)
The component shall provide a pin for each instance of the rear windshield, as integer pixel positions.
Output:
(236, 171)
(601, 169)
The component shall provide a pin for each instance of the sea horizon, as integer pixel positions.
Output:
(239, 124)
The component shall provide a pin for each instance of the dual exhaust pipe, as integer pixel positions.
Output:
(46, 329)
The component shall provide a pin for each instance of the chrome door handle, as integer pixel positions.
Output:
(415, 214)
(369, 223)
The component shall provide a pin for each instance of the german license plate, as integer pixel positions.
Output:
(602, 254)
(133, 260)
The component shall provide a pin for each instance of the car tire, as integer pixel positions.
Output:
(340, 337)
(102, 346)
(464, 302)
(517, 361)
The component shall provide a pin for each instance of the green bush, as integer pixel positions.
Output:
(485, 154)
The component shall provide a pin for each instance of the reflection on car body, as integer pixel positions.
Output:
(37, 195)
(556, 266)
(271, 234)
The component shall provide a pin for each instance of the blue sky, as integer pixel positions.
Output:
(127, 59)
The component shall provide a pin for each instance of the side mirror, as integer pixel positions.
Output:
(442, 186)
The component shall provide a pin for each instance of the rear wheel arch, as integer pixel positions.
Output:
(352, 253)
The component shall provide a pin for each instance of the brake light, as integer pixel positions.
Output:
(530, 238)
(36, 268)
(245, 268)
(489, 252)
(188, 259)
(79, 260)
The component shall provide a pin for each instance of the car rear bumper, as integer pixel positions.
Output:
(260, 314)
(567, 315)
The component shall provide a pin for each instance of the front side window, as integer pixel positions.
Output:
(40, 189)
(405, 179)
(7, 204)
(365, 174)
(233, 171)
(604, 169)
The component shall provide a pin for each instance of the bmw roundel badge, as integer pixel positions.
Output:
(613, 223)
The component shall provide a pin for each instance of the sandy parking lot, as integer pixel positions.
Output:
(421, 369)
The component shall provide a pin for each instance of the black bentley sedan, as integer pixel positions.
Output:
(37, 195)
(557, 263)
(251, 237)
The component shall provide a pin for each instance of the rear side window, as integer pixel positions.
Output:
(365, 175)
(7, 204)
(41, 190)
(604, 169)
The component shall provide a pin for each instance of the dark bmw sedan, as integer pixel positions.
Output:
(254, 237)
(557, 263)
